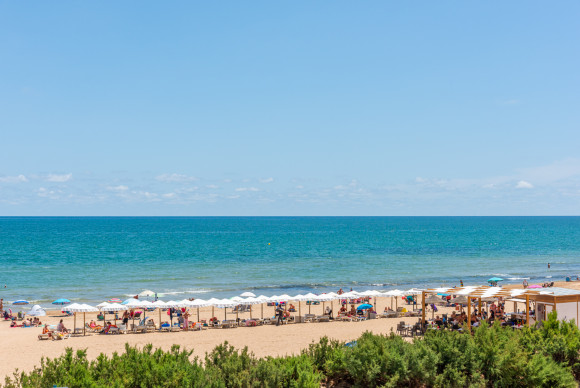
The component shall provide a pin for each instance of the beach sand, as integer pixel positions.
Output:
(21, 348)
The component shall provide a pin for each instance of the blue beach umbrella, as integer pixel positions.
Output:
(365, 306)
(20, 302)
(61, 301)
(494, 279)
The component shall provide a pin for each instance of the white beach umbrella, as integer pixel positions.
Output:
(263, 299)
(80, 308)
(309, 297)
(113, 307)
(103, 304)
(132, 302)
(212, 302)
(225, 304)
(160, 305)
(299, 298)
(185, 303)
(350, 295)
(324, 298)
(248, 295)
(71, 307)
(197, 303)
(237, 299)
(370, 293)
(252, 301)
(273, 299)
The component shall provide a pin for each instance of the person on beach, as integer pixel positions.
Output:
(185, 320)
(461, 282)
(280, 314)
(125, 317)
(61, 328)
(329, 311)
(525, 283)
(1, 305)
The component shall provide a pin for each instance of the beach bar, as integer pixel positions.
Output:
(477, 293)
(565, 301)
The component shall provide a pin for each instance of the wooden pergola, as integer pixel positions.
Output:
(479, 292)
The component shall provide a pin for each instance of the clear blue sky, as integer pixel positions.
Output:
(289, 108)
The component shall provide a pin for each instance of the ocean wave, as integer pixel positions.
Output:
(519, 278)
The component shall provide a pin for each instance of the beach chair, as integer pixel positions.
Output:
(57, 335)
(402, 329)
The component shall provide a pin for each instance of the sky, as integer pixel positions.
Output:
(230, 108)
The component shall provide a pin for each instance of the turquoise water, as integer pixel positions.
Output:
(91, 259)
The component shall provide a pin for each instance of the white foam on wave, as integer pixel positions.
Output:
(202, 291)
(518, 278)
(186, 292)
(549, 277)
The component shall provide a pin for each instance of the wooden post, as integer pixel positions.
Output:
(84, 323)
(469, 314)
(527, 310)
(423, 309)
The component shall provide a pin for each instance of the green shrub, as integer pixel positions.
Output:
(488, 357)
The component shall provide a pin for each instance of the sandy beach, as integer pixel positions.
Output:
(22, 349)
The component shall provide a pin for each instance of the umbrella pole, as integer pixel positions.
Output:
(225, 313)
(262, 304)
(84, 323)
(300, 308)
(160, 319)
(212, 311)
(250, 311)
(198, 314)
(75, 324)
(309, 307)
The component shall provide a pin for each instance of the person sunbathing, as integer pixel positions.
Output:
(61, 328)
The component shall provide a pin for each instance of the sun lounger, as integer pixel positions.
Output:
(322, 318)
(60, 336)
(45, 336)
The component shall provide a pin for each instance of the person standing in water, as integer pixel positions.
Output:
(548, 265)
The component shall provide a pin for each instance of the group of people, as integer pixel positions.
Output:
(27, 322)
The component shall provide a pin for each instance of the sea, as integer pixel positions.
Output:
(93, 259)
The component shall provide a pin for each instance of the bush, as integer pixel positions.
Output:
(490, 357)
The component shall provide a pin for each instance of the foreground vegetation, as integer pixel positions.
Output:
(490, 357)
